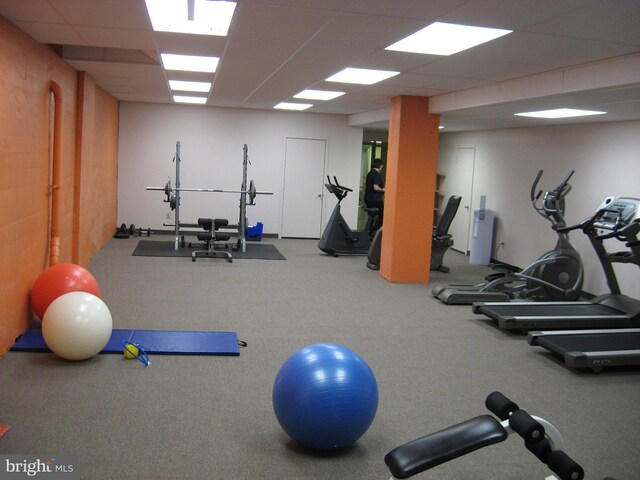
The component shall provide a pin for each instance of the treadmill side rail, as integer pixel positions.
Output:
(598, 360)
(454, 296)
(527, 316)
(594, 349)
(566, 321)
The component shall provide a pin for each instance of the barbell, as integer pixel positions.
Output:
(170, 192)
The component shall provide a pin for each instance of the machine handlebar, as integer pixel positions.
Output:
(337, 184)
(552, 207)
(534, 185)
(559, 192)
(338, 190)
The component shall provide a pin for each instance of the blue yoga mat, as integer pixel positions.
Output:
(152, 341)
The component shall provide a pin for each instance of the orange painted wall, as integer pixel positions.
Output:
(88, 175)
(412, 161)
(96, 157)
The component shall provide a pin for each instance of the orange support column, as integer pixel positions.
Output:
(412, 161)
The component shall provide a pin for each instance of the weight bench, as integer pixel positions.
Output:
(211, 236)
(440, 447)
(540, 437)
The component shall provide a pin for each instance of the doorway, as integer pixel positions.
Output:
(370, 151)
(303, 184)
(460, 182)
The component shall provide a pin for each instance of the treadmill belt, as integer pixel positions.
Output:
(592, 349)
(548, 310)
(562, 344)
(526, 316)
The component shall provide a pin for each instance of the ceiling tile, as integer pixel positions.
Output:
(189, 44)
(116, 37)
(276, 48)
(105, 13)
(33, 11)
(51, 33)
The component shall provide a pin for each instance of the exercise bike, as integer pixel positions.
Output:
(540, 437)
(338, 238)
(556, 276)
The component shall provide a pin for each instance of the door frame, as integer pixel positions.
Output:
(321, 193)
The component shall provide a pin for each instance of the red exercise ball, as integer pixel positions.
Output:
(58, 280)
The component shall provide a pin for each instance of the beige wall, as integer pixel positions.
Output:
(605, 159)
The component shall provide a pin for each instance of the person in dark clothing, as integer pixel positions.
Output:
(374, 192)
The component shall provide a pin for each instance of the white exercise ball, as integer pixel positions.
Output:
(77, 325)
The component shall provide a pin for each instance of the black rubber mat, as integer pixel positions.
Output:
(154, 248)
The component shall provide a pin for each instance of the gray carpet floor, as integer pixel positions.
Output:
(195, 417)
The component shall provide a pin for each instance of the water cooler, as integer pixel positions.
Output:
(482, 236)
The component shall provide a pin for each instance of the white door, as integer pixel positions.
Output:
(303, 184)
(460, 182)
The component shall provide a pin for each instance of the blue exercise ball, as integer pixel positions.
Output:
(325, 396)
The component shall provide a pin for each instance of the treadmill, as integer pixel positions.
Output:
(619, 218)
(593, 349)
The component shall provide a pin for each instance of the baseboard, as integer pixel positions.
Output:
(495, 263)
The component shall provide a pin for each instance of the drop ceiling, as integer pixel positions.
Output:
(562, 53)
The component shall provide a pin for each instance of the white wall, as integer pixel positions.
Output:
(606, 158)
(211, 152)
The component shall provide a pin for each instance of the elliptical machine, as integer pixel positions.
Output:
(338, 238)
(556, 276)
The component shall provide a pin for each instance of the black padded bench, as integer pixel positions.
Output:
(211, 236)
(440, 447)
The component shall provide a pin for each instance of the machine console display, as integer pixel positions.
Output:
(621, 211)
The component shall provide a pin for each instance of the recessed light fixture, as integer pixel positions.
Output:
(293, 106)
(446, 39)
(361, 76)
(183, 86)
(560, 113)
(189, 63)
(318, 94)
(441, 127)
(201, 17)
(185, 99)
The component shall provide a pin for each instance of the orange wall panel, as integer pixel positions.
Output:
(95, 217)
(26, 71)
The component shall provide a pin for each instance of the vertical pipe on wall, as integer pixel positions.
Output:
(54, 245)
(82, 112)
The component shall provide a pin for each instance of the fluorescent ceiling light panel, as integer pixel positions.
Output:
(446, 39)
(184, 99)
(293, 106)
(560, 113)
(183, 86)
(318, 94)
(361, 76)
(206, 17)
(189, 63)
